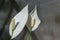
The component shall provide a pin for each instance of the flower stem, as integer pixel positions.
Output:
(29, 36)
(12, 35)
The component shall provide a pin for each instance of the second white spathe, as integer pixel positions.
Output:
(34, 15)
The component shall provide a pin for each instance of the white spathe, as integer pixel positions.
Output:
(21, 17)
(35, 16)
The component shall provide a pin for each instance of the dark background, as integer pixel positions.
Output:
(48, 12)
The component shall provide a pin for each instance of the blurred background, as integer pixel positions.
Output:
(48, 12)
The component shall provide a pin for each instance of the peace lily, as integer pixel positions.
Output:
(21, 17)
(33, 20)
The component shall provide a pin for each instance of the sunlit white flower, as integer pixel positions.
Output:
(36, 21)
(21, 17)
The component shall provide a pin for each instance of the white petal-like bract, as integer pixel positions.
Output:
(35, 16)
(21, 17)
